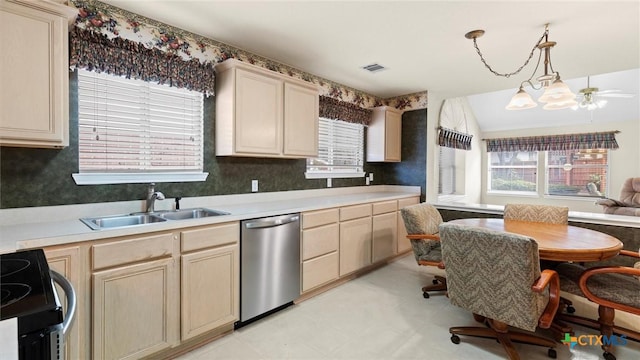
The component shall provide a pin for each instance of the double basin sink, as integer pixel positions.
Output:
(117, 221)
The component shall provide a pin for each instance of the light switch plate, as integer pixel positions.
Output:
(370, 176)
(254, 185)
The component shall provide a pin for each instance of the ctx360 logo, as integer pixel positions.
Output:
(586, 340)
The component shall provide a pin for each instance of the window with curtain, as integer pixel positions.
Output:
(577, 172)
(340, 150)
(136, 131)
(574, 164)
(513, 171)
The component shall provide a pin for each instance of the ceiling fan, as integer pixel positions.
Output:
(591, 98)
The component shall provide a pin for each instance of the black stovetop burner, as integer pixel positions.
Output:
(26, 290)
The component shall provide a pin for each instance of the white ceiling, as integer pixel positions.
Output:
(421, 43)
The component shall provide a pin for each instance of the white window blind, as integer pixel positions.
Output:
(447, 168)
(340, 150)
(132, 126)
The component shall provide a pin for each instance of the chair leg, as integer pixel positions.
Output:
(501, 333)
(499, 330)
(607, 315)
(440, 284)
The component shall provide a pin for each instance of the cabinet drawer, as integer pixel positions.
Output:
(385, 207)
(132, 250)
(209, 237)
(319, 241)
(354, 212)
(320, 270)
(318, 218)
(408, 201)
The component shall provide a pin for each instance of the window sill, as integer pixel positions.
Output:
(137, 178)
(332, 175)
(513, 193)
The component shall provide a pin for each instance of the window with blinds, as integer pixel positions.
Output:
(143, 129)
(340, 150)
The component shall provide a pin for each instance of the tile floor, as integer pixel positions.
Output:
(381, 315)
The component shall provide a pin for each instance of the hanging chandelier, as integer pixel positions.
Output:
(557, 94)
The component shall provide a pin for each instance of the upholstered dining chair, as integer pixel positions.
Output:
(537, 213)
(612, 288)
(496, 276)
(422, 221)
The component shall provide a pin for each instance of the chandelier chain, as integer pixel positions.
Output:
(475, 44)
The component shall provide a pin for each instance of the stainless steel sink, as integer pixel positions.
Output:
(185, 214)
(116, 221)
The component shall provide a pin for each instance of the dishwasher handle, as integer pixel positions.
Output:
(271, 222)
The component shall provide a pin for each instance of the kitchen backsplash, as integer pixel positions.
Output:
(42, 177)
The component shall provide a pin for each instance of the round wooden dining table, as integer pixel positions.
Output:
(555, 242)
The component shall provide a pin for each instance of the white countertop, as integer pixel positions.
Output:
(46, 226)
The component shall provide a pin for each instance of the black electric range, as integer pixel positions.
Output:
(27, 293)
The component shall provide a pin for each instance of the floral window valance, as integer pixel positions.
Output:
(599, 140)
(339, 110)
(94, 51)
(454, 139)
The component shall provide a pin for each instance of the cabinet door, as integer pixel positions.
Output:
(33, 73)
(385, 235)
(258, 109)
(393, 136)
(355, 245)
(66, 261)
(300, 121)
(209, 294)
(135, 310)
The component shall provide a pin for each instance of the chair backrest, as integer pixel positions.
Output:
(490, 273)
(421, 219)
(630, 192)
(537, 213)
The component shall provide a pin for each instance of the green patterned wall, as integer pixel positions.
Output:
(42, 177)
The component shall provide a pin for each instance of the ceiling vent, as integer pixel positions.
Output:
(374, 68)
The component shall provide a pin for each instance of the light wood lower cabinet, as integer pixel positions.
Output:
(210, 278)
(320, 242)
(135, 296)
(355, 245)
(67, 262)
(385, 236)
(134, 310)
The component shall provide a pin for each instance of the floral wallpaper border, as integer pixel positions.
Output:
(115, 22)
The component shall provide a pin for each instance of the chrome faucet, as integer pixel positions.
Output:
(152, 196)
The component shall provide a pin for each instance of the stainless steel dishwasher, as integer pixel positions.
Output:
(269, 265)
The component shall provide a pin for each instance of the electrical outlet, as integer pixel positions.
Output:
(370, 176)
(254, 185)
(329, 184)
(367, 181)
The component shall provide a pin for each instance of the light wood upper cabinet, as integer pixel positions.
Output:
(259, 106)
(384, 135)
(261, 113)
(34, 78)
(300, 120)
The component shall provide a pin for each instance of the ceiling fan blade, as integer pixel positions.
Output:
(625, 96)
(608, 91)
